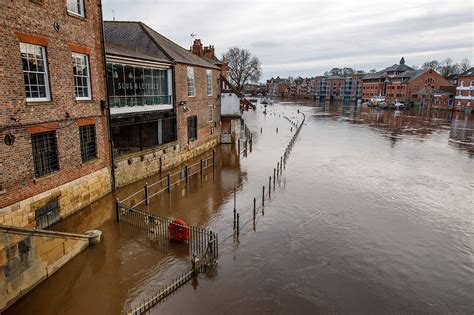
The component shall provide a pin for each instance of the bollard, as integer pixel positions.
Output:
(277, 129)
(146, 193)
(117, 208)
(263, 196)
(169, 182)
(291, 129)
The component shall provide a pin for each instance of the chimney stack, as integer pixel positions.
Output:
(197, 47)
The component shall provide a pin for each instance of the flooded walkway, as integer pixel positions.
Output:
(373, 213)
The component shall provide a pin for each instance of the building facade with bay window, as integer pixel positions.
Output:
(164, 101)
(54, 149)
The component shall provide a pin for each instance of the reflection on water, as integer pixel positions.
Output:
(373, 214)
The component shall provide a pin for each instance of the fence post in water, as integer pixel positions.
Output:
(238, 225)
(117, 208)
(263, 196)
(213, 159)
(254, 207)
(169, 182)
(278, 168)
(146, 193)
(274, 176)
(277, 130)
(281, 163)
(186, 173)
(238, 145)
(269, 183)
(261, 129)
(201, 166)
(194, 262)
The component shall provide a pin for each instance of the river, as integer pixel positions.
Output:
(373, 213)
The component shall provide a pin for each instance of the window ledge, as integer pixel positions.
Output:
(33, 103)
(90, 161)
(77, 16)
(45, 177)
(84, 100)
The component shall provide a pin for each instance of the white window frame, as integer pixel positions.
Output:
(190, 82)
(209, 82)
(88, 77)
(45, 73)
(210, 113)
(79, 6)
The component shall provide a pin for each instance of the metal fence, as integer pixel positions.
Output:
(168, 182)
(202, 246)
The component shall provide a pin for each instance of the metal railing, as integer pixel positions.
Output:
(202, 246)
(165, 184)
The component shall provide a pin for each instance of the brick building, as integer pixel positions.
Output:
(165, 101)
(54, 156)
(403, 83)
(465, 89)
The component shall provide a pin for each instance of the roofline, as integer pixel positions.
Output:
(144, 61)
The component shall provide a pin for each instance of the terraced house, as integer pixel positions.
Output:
(54, 155)
(164, 101)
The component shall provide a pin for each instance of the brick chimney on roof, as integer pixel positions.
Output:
(197, 47)
(208, 51)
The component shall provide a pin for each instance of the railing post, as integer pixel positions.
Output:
(278, 168)
(269, 183)
(117, 208)
(213, 159)
(238, 145)
(169, 182)
(186, 173)
(263, 196)
(254, 207)
(238, 224)
(201, 166)
(146, 193)
(274, 176)
(281, 163)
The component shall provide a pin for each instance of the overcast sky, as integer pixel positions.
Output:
(305, 38)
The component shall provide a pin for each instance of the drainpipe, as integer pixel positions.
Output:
(109, 124)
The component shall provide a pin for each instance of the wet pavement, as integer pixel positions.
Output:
(372, 214)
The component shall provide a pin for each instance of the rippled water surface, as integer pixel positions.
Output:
(373, 213)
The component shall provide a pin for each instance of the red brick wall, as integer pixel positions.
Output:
(371, 89)
(198, 105)
(420, 82)
(36, 22)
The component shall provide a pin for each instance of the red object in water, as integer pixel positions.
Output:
(179, 230)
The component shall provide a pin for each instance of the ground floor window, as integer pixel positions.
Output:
(45, 153)
(88, 143)
(132, 136)
(192, 128)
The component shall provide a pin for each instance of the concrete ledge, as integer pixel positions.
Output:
(37, 232)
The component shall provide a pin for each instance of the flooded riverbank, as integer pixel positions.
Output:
(373, 213)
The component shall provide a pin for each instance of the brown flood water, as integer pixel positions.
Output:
(373, 214)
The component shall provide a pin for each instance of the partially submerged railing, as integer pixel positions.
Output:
(202, 245)
(167, 183)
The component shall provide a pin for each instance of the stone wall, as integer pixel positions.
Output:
(139, 165)
(27, 257)
(71, 197)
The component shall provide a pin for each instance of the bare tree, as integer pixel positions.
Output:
(464, 65)
(433, 65)
(242, 67)
(447, 68)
